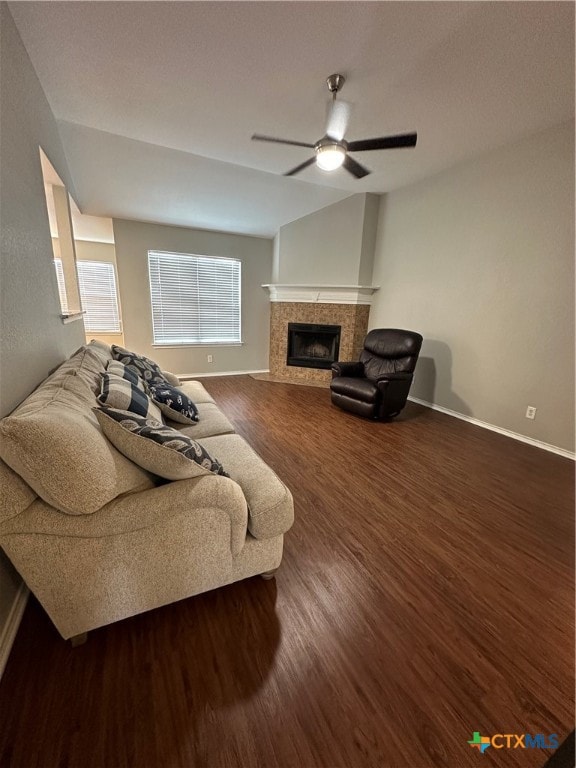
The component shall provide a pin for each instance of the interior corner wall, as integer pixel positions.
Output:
(33, 340)
(323, 248)
(276, 258)
(134, 239)
(369, 234)
(480, 260)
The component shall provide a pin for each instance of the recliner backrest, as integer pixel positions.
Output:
(390, 350)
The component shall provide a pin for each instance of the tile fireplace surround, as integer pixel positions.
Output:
(318, 308)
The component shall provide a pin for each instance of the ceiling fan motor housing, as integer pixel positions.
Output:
(335, 82)
(326, 142)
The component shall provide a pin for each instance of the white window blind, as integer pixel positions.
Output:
(97, 285)
(61, 286)
(195, 299)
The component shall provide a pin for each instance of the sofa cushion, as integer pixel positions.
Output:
(122, 371)
(53, 441)
(173, 403)
(270, 505)
(145, 368)
(196, 392)
(156, 447)
(122, 394)
(211, 421)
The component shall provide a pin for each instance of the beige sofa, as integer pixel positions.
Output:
(96, 538)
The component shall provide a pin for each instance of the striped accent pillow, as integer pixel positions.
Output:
(119, 369)
(126, 396)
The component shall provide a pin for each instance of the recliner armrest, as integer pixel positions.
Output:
(394, 389)
(347, 369)
(395, 377)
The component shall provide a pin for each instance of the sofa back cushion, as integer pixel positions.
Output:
(54, 442)
(87, 363)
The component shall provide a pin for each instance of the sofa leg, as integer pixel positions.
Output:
(267, 575)
(77, 640)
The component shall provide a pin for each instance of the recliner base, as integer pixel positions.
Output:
(366, 410)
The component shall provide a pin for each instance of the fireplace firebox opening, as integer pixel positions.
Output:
(313, 346)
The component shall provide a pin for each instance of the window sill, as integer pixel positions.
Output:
(201, 344)
(103, 333)
(72, 317)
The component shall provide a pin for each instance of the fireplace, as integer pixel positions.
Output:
(313, 346)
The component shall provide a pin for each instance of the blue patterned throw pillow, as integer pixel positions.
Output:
(173, 403)
(162, 450)
(147, 369)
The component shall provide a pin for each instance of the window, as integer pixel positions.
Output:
(195, 299)
(61, 286)
(97, 284)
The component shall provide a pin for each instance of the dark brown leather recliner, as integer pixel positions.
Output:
(377, 386)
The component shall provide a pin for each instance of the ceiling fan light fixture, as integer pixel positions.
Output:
(331, 151)
(329, 157)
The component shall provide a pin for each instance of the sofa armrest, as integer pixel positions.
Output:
(347, 369)
(135, 511)
(171, 378)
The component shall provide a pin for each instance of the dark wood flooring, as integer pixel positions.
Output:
(426, 592)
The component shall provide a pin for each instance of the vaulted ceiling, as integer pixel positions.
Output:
(157, 101)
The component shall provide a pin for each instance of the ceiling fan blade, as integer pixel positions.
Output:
(301, 166)
(384, 142)
(355, 168)
(338, 118)
(258, 137)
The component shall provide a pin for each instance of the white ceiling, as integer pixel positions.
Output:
(158, 100)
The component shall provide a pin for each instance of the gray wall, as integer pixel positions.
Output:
(133, 241)
(33, 339)
(332, 246)
(480, 260)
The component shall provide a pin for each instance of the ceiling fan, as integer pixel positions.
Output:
(331, 151)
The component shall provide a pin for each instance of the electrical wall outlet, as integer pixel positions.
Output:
(211, 360)
(530, 412)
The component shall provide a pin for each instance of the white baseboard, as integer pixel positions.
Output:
(494, 428)
(11, 626)
(185, 376)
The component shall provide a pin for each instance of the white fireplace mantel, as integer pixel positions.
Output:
(321, 294)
